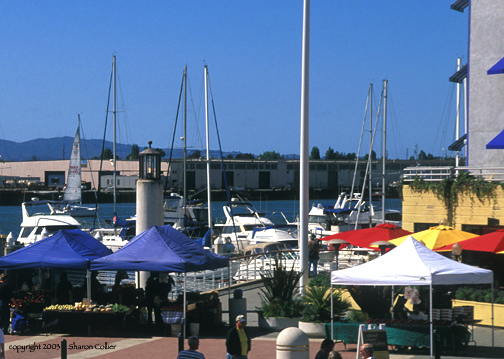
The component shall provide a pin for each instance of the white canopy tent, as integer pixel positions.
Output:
(411, 263)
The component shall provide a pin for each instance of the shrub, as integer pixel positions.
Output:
(479, 295)
(280, 295)
(317, 301)
(356, 316)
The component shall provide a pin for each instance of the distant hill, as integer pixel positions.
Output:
(58, 148)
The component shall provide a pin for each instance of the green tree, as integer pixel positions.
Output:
(330, 154)
(161, 151)
(270, 155)
(195, 154)
(107, 154)
(373, 155)
(315, 153)
(135, 150)
(34, 158)
(244, 156)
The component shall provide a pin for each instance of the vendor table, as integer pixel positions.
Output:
(401, 335)
(78, 321)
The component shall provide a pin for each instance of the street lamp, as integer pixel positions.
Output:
(150, 164)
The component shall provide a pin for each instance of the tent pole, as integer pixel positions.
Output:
(229, 280)
(332, 314)
(392, 305)
(88, 284)
(493, 329)
(431, 322)
(185, 305)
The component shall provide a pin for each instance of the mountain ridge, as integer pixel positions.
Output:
(58, 148)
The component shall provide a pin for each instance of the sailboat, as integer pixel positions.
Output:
(117, 236)
(350, 211)
(72, 197)
(187, 215)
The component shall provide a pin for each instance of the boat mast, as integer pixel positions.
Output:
(457, 122)
(114, 112)
(184, 197)
(370, 158)
(205, 72)
(384, 148)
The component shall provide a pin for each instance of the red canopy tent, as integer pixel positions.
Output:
(367, 236)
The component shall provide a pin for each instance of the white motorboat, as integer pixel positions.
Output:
(114, 238)
(40, 221)
(244, 225)
(195, 213)
(348, 214)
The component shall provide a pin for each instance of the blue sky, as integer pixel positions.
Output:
(56, 57)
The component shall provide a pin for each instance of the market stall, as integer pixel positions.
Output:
(162, 249)
(411, 263)
(67, 249)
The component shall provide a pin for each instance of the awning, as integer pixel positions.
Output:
(460, 75)
(460, 5)
(497, 143)
(498, 68)
(459, 144)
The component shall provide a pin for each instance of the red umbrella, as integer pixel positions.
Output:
(491, 242)
(365, 237)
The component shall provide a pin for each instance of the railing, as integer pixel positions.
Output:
(441, 172)
(248, 268)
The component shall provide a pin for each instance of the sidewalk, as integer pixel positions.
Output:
(146, 346)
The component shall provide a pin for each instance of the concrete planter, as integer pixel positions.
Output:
(277, 323)
(313, 330)
(483, 311)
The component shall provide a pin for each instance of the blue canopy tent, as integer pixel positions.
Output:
(67, 248)
(162, 249)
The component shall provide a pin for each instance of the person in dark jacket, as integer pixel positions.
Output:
(238, 342)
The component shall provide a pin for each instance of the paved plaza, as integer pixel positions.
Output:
(146, 342)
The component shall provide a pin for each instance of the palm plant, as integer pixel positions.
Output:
(280, 295)
(317, 300)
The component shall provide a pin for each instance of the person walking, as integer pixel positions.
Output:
(238, 342)
(326, 347)
(366, 351)
(192, 352)
(313, 254)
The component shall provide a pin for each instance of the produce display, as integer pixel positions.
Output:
(59, 307)
(81, 307)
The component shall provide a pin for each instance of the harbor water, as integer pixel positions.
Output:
(11, 217)
(277, 210)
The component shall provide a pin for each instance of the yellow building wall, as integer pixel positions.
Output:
(473, 211)
(421, 208)
(426, 208)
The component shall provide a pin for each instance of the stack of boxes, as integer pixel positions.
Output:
(463, 313)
